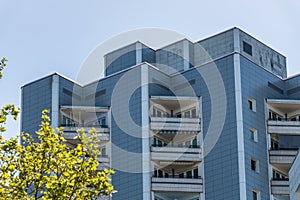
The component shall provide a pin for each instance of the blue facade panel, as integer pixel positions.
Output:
(128, 177)
(221, 163)
(256, 85)
(292, 86)
(120, 59)
(36, 97)
(69, 93)
(148, 55)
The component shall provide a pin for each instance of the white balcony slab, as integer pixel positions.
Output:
(284, 127)
(175, 124)
(176, 154)
(279, 187)
(71, 132)
(282, 156)
(177, 185)
(103, 159)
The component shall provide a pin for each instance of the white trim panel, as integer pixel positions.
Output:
(240, 132)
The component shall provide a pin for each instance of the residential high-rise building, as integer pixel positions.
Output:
(213, 119)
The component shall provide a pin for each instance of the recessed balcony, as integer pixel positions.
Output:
(174, 114)
(176, 153)
(282, 159)
(176, 184)
(73, 118)
(280, 187)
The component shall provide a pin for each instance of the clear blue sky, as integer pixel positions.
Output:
(41, 37)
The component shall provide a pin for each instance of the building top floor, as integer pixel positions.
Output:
(172, 60)
(184, 54)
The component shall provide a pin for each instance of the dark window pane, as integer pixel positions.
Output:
(247, 48)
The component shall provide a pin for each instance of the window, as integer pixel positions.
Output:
(255, 195)
(195, 173)
(178, 115)
(187, 114)
(158, 114)
(159, 143)
(102, 122)
(279, 176)
(194, 113)
(186, 143)
(190, 113)
(247, 48)
(68, 122)
(275, 116)
(253, 134)
(166, 175)
(160, 173)
(194, 143)
(189, 174)
(155, 172)
(254, 165)
(252, 104)
(103, 151)
(274, 144)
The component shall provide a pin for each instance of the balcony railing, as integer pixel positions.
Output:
(103, 159)
(282, 156)
(280, 187)
(73, 128)
(280, 179)
(191, 153)
(83, 125)
(176, 184)
(177, 176)
(177, 146)
(284, 127)
(175, 124)
(70, 132)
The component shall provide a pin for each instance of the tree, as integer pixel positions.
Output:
(2, 65)
(48, 169)
(8, 109)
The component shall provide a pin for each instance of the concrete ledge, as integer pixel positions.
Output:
(176, 154)
(282, 156)
(178, 124)
(279, 187)
(177, 185)
(284, 127)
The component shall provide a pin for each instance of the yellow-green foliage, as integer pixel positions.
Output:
(48, 169)
(2, 65)
(7, 110)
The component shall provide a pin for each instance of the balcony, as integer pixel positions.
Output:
(282, 159)
(176, 153)
(280, 187)
(175, 124)
(176, 184)
(284, 127)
